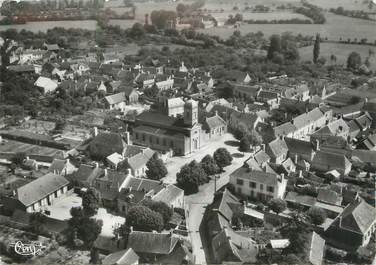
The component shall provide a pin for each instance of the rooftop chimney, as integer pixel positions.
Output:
(317, 145)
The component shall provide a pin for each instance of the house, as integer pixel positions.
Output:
(245, 92)
(299, 92)
(182, 135)
(277, 150)
(308, 122)
(107, 245)
(86, 174)
(215, 126)
(338, 128)
(134, 190)
(329, 196)
(354, 226)
(165, 84)
(160, 248)
(137, 163)
(173, 107)
(246, 120)
(37, 194)
(326, 161)
(369, 143)
(122, 257)
(315, 252)
(258, 184)
(171, 195)
(286, 129)
(21, 69)
(114, 159)
(131, 95)
(226, 244)
(48, 85)
(299, 149)
(51, 47)
(270, 98)
(62, 167)
(115, 101)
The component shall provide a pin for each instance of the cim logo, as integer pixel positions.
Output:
(31, 249)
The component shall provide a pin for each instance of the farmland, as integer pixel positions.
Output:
(341, 51)
(336, 27)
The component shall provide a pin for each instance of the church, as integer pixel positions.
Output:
(182, 134)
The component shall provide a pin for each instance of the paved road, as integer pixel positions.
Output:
(196, 203)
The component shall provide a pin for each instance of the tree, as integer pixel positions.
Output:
(137, 31)
(161, 18)
(209, 165)
(277, 205)
(36, 222)
(321, 60)
(160, 207)
(298, 234)
(317, 215)
(142, 218)
(333, 58)
(191, 176)
(83, 227)
(244, 145)
(354, 61)
(316, 48)
(94, 256)
(222, 157)
(90, 202)
(254, 138)
(18, 158)
(156, 168)
(275, 46)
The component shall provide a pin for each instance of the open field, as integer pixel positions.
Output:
(259, 16)
(341, 51)
(336, 27)
(43, 26)
(346, 4)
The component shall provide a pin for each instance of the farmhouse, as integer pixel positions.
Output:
(33, 196)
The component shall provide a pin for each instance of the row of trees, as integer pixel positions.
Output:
(194, 174)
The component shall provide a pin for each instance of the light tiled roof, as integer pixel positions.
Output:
(115, 98)
(40, 188)
(256, 175)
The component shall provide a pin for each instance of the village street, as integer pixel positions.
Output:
(195, 204)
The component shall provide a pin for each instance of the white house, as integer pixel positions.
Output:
(48, 85)
(258, 184)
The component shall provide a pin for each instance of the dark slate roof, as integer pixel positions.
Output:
(358, 216)
(40, 188)
(331, 159)
(86, 173)
(152, 243)
(329, 196)
(109, 244)
(299, 146)
(126, 256)
(57, 165)
(300, 199)
(278, 147)
(284, 129)
(256, 175)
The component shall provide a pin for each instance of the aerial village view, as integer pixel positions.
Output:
(187, 132)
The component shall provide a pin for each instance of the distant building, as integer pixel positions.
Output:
(48, 85)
